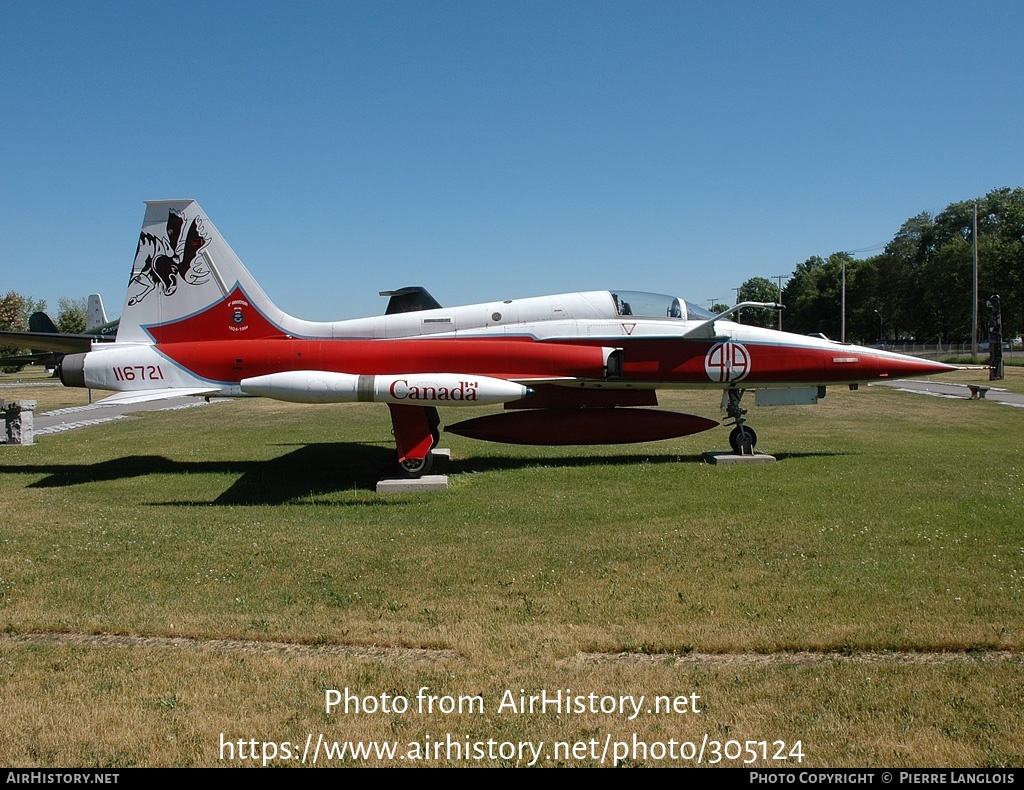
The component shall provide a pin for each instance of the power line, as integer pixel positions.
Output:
(872, 248)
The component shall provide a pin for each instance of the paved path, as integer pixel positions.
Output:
(943, 389)
(60, 420)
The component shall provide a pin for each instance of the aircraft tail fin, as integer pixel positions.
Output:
(187, 284)
(95, 315)
(410, 300)
(41, 322)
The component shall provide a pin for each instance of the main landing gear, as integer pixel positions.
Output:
(742, 439)
(417, 431)
(415, 467)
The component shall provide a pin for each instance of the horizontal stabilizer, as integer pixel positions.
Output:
(145, 396)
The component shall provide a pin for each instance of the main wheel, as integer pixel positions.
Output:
(734, 438)
(416, 467)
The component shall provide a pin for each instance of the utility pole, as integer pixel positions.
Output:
(780, 278)
(842, 334)
(974, 292)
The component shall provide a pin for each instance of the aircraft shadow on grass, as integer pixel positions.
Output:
(309, 472)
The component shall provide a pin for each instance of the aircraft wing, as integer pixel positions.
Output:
(48, 341)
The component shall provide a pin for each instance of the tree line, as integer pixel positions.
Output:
(919, 288)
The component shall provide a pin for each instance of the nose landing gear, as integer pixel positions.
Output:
(742, 439)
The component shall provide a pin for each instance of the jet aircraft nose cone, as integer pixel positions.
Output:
(900, 365)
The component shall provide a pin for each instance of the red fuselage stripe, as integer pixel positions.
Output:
(523, 358)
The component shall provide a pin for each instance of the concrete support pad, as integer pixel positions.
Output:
(405, 485)
(725, 459)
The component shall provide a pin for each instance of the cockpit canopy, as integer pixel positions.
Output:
(642, 304)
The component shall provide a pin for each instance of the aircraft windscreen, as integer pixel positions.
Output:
(650, 305)
(696, 311)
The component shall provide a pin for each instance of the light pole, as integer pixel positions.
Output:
(880, 339)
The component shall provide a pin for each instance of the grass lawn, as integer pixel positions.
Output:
(180, 580)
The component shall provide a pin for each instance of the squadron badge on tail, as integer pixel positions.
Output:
(165, 262)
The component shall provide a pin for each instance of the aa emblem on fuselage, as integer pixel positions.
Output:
(727, 362)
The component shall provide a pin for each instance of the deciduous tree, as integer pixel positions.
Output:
(72, 315)
(759, 289)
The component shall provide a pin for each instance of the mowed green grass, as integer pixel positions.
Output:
(891, 525)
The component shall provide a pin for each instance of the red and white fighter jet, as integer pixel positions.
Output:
(576, 368)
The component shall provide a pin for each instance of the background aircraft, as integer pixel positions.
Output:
(576, 368)
(49, 345)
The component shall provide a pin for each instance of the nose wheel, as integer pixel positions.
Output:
(742, 439)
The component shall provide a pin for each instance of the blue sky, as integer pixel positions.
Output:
(489, 150)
